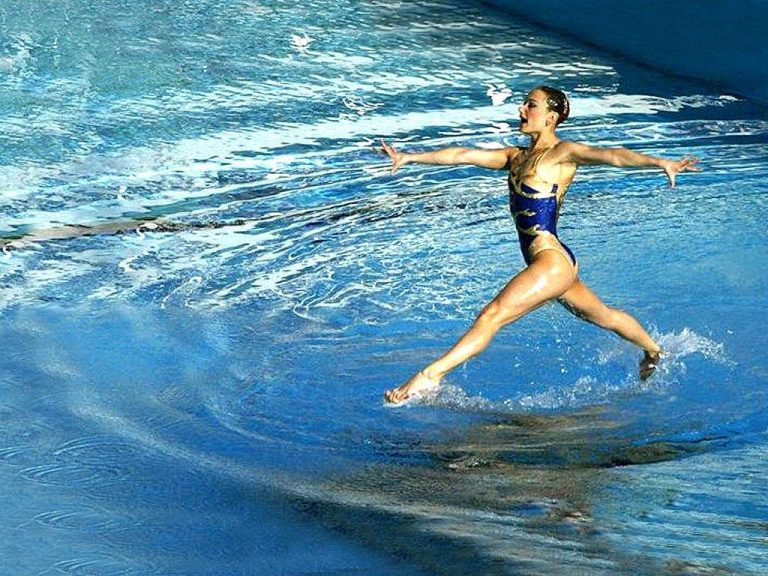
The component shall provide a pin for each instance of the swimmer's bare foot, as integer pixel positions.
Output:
(421, 382)
(648, 364)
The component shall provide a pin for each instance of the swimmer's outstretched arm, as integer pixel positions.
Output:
(623, 157)
(494, 159)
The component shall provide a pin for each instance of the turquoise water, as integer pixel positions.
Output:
(201, 394)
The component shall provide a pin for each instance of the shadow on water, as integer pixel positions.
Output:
(493, 500)
(587, 439)
(161, 219)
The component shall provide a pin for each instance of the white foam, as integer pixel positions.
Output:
(588, 389)
(677, 345)
(184, 156)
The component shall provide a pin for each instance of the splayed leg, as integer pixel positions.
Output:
(585, 304)
(548, 276)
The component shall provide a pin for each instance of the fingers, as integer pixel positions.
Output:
(689, 164)
(389, 150)
(671, 177)
(393, 155)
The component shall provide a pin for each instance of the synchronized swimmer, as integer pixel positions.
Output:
(538, 177)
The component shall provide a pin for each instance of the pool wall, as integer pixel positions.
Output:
(721, 43)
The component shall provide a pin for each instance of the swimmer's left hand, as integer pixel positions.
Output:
(398, 159)
(672, 168)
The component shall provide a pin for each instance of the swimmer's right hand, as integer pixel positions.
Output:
(398, 159)
(673, 167)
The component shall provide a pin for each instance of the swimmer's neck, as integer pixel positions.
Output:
(540, 140)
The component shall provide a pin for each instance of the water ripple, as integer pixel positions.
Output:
(76, 475)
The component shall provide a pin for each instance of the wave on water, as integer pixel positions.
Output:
(588, 390)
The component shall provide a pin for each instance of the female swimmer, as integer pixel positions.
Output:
(538, 176)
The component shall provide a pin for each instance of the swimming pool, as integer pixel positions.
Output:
(205, 398)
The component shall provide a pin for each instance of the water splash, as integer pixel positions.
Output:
(678, 345)
(588, 389)
(301, 42)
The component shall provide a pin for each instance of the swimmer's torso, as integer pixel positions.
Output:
(535, 205)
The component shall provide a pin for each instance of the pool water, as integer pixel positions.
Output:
(195, 385)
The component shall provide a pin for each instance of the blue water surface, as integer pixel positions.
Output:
(209, 277)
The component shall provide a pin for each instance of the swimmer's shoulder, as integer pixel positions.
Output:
(557, 165)
(577, 153)
(512, 154)
(564, 152)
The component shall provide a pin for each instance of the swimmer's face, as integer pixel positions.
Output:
(535, 115)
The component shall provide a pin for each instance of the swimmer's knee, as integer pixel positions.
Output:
(491, 314)
(495, 315)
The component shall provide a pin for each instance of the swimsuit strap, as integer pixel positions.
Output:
(531, 170)
(538, 158)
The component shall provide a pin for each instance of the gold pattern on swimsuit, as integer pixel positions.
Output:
(519, 192)
(534, 230)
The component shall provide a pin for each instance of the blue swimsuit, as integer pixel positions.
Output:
(535, 213)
